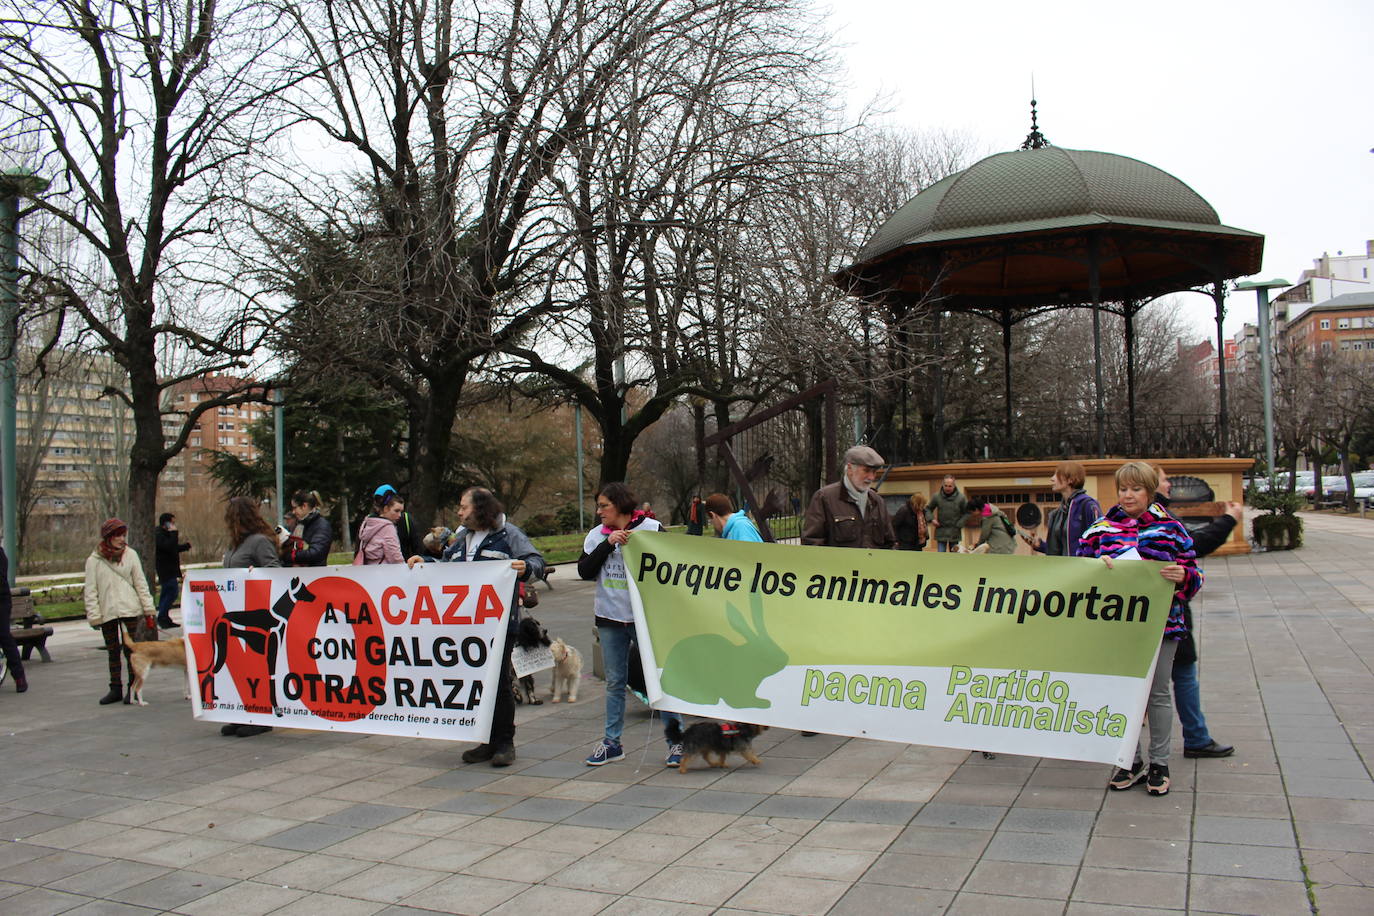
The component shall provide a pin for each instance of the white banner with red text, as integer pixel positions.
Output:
(381, 650)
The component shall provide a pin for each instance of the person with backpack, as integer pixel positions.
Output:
(378, 540)
(995, 529)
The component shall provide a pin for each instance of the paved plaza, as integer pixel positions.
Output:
(122, 809)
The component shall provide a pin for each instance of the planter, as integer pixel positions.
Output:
(1277, 531)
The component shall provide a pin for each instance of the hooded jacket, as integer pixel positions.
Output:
(738, 527)
(377, 543)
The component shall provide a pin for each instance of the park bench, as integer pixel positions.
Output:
(30, 632)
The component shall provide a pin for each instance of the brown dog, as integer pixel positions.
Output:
(166, 653)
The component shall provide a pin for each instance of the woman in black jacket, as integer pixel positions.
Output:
(317, 535)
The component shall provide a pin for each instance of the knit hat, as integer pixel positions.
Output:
(111, 528)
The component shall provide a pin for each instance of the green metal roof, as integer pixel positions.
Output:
(1045, 189)
(1019, 228)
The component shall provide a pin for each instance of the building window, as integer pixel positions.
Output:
(1326, 346)
(1326, 324)
(1343, 324)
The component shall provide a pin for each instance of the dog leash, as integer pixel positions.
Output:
(644, 754)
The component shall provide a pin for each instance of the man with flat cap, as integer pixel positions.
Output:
(848, 513)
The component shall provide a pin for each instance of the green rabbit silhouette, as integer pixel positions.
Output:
(707, 668)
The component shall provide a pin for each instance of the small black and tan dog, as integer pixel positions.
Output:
(705, 739)
(529, 634)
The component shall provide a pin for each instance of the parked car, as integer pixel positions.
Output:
(1328, 481)
(1364, 485)
(1304, 484)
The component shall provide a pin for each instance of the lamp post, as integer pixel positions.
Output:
(14, 184)
(1262, 288)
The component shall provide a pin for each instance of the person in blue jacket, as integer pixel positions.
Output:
(729, 524)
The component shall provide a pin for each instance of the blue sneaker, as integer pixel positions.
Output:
(674, 757)
(606, 752)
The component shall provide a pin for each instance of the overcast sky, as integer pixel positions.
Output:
(1261, 107)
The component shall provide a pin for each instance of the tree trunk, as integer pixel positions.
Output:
(431, 441)
(146, 458)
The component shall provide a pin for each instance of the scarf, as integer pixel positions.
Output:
(109, 530)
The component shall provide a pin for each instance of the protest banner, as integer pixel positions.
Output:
(1042, 656)
(377, 649)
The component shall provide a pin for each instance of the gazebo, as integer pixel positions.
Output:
(1044, 227)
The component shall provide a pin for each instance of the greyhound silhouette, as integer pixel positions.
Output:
(262, 631)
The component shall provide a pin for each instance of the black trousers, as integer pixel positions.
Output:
(503, 716)
(7, 643)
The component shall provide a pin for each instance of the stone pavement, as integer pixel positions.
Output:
(143, 810)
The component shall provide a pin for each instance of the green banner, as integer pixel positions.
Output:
(817, 636)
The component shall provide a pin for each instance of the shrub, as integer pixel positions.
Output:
(1280, 528)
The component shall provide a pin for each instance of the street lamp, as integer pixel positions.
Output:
(14, 184)
(1262, 288)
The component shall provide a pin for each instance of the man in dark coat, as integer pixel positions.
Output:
(1197, 740)
(168, 548)
(848, 513)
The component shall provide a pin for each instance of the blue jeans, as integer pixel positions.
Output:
(944, 546)
(615, 657)
(165, 599)
(1188, 702)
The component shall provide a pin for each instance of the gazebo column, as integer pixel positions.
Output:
(1223, 417)
(1006, 374)
(1129, 310)
(1095, 295)
(939, 424)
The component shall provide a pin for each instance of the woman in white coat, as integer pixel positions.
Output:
(116, 594)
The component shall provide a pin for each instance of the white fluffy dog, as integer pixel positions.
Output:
(567, 670)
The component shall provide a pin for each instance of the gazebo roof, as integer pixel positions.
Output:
(1016, 227)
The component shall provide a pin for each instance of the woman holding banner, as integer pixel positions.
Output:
(251, 540)
(252, 543)
(615, 620)
(1139, 527)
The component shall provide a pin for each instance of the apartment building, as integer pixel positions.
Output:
(220, 429)
(73, 437)
(1344, 324)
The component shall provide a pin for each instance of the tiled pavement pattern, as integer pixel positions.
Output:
(119, 809)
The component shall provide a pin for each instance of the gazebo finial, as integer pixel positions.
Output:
(1034, 139)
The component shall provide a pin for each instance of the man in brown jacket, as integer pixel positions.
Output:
(848, 513)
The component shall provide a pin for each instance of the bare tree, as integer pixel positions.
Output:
(460, 113)
(703, 125)
(140, 112)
